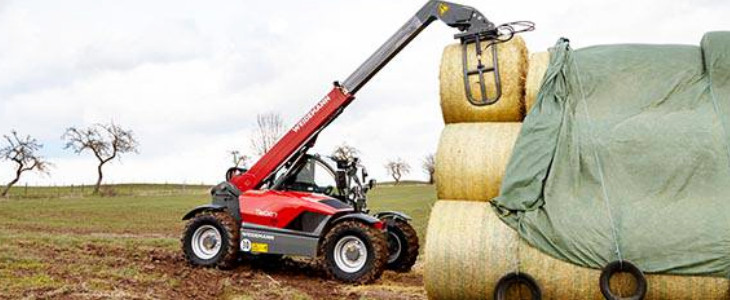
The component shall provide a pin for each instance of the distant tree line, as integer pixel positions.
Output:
(110, 141)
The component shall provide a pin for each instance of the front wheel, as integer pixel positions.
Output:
(402, 245)
(210, 240)
(354, 252)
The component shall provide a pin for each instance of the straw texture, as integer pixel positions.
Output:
(538, 64)
(471, 159)
(512, 69)
(468, 249)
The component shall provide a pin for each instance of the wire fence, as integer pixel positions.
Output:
(111, 190)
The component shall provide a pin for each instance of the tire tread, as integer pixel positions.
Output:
(229, 258)
(380, 251)
(409, 257)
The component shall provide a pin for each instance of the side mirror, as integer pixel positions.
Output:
(341, 180)
(371, 183)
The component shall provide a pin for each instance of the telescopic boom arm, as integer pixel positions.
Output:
(473, 26)
(467, 19)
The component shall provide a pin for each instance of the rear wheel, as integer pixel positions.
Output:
(402, 245)
(210, 240)
(354, 252)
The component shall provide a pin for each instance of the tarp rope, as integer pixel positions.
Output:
(594, 142)
(518, 258)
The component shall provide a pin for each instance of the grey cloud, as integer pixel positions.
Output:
(166, 42)
(246, 69)
(171, 41)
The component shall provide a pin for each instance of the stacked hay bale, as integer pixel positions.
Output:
(468, 248)
(473, 152)
(461, 172)
(537, 67)
(512, 68)
(471, 159)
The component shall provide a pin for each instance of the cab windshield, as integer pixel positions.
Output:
(312, 175)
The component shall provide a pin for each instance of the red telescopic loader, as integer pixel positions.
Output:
(297, 204)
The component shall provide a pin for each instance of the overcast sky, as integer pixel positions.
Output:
(189, 77)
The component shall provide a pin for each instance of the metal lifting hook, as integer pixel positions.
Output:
(502, 34)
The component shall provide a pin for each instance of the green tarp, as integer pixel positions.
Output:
(625, 155)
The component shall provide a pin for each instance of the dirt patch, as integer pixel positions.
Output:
(87, 232)
(135, 270)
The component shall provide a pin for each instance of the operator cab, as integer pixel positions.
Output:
(312, 175)
(315, 174)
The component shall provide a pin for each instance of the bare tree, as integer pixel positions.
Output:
(105, 141)
(22, 151)
(240, 160)
(345, 151)
(429, 167)
(397, 168)
(269, 128)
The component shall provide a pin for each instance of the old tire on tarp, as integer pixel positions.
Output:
(469, 249)
(471, 159)
(456, 108)
(508, 282)
(538, 64)
(614, 269)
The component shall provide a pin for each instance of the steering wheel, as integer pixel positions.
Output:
(303, 186)
(328, 190)
(311, 187)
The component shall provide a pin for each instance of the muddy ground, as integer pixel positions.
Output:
(127, 267)
(128, 248)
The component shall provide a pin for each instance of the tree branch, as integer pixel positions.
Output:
(105, 141)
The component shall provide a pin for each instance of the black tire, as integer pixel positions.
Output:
(374, 243)
(511, 279)
(226, 226)
(403, 240)
(622, 267)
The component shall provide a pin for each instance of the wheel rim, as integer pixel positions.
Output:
(206, 242)
(394, 247)
(350, 254)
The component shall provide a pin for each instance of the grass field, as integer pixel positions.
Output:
(127, 247)
(79, 191)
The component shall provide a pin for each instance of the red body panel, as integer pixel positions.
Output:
(279, 208)
(301, 133)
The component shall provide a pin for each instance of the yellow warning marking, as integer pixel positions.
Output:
(443, 9)
(260, 247)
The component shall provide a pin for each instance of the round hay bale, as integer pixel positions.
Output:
(456, 108)
(538, 65)
(469, 249)
(471, 159)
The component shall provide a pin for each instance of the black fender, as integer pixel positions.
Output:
(330, 222)
(393, 215)
(365, 218)
(202, 208)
